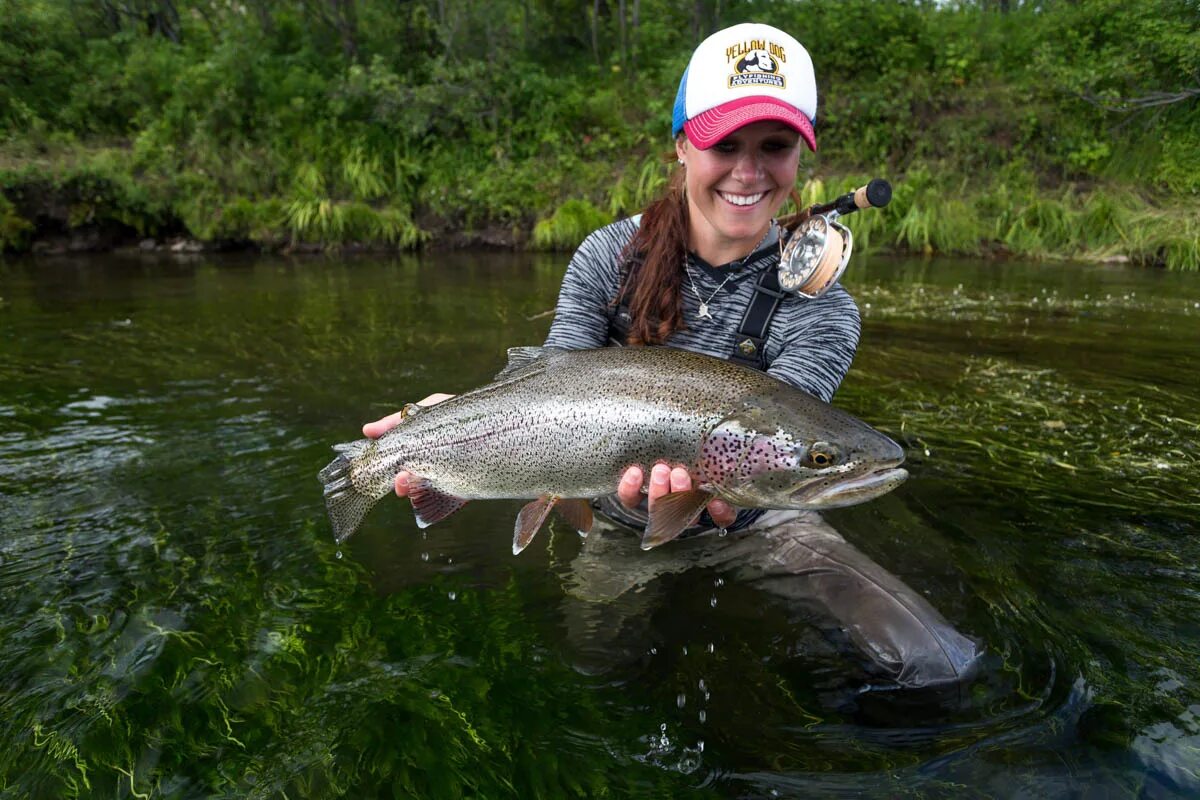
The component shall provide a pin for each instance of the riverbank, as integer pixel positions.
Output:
(372, 126)
(87, 200)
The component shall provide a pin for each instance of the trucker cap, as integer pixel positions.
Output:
(744, 74)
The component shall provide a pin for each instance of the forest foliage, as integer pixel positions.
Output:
(1044, 128)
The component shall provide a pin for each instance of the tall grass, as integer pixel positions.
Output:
(568, 225)
(1016, 218)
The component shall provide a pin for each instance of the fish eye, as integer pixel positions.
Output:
(822, 454)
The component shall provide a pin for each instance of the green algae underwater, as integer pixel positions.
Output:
(178, 622)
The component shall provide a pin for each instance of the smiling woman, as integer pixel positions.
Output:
(697, 270)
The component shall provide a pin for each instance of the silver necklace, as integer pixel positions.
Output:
(703, 312)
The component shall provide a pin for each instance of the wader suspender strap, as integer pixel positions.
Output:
(750, 345)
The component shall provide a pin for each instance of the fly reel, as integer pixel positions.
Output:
(818, 250)
(815, 257)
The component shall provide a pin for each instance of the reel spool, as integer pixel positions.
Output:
(815, 257)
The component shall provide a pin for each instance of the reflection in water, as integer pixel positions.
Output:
(795, 556)
(176, 620)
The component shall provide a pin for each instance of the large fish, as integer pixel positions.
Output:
(560, 427)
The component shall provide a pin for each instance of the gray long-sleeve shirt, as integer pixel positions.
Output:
(810, 345)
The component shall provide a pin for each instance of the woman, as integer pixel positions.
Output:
(684, 273)
(746, 103)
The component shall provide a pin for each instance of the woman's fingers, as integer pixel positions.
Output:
(373, 430)
(629, 490)
(660, 481)
(722, 513)
(681, 481)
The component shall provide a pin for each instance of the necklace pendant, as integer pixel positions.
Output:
(703, 313)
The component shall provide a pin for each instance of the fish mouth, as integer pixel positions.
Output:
(852, 491)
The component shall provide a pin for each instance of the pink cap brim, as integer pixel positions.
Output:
(709, 127)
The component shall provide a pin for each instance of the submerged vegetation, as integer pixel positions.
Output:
(1046, 129)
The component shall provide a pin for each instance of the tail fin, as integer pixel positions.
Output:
(347, 503)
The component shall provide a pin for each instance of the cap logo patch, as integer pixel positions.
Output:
(756, 63)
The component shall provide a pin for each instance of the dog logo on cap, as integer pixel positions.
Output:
(757, 67)
(758, 61)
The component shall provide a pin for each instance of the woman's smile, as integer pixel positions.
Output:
(742, 200)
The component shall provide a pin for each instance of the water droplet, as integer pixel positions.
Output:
(723, 532)
(681, 700)
(701, 685)
(719, 582)
(424, 556)
(449, 560)
(927, 451)
(713, 601)
(453, 595)
(700, 745)
(653, 651)
(338, 554)
(703, 715)
(711, 648)
(685, 649)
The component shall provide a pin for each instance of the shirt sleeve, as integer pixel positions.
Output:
(820, 346)
(588, 288)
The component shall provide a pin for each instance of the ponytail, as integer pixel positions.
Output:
(653, 283)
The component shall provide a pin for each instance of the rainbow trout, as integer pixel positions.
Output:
(560, 427)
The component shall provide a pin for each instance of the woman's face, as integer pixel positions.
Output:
(737, 186)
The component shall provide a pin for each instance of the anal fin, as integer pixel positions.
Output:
(431, 505)
(671, 514)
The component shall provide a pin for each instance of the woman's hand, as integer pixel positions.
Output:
(373, 430)
(664, 480)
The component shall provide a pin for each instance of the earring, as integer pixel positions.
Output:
(681, 163)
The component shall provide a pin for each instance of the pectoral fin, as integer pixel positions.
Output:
(577, 514)
(432, 506)
(671, 514)
(530, 520)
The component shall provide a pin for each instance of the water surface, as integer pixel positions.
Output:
(178, 621)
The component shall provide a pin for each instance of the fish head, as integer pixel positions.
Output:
(796, 454)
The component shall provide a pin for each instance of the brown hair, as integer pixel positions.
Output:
(652, 263)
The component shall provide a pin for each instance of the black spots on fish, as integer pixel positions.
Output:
(720, 454)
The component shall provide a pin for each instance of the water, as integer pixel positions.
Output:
(177, 620)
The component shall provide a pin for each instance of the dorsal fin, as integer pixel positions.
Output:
(521, 357)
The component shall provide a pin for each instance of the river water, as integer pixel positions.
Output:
(177, 621)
